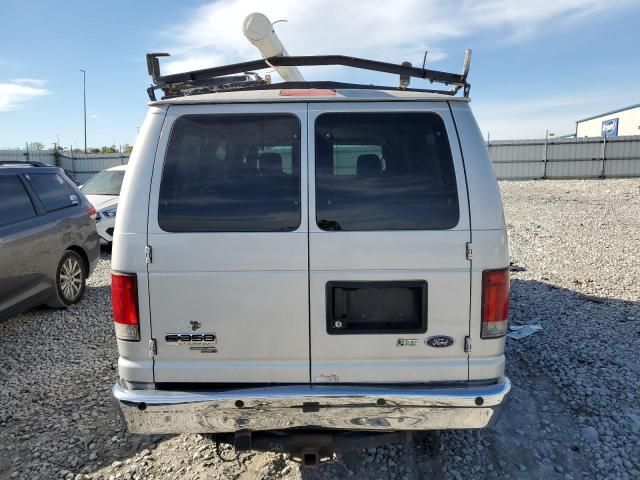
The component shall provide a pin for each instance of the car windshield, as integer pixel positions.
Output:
(107, 182)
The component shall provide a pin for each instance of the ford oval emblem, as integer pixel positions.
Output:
(440, 341)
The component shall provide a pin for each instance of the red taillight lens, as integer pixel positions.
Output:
(91, 212)
(495, 303)
(124, 298)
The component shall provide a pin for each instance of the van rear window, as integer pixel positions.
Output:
(53, 190)
(384, 171)
(232, 173)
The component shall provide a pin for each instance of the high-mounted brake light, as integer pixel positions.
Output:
(124, 298)
(306, 92)
(495, 303)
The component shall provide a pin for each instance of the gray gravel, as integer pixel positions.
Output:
(575, 409)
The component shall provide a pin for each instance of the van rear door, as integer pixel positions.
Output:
(388, 231)
(228, 280)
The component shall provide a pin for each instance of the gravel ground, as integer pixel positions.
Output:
(574, 413)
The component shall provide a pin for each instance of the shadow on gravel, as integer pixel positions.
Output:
(57, 418)
(575, 390)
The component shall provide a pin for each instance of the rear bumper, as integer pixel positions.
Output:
(339, 407)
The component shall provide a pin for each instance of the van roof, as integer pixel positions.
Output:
(309, 95)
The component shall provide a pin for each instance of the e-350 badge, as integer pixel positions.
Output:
(407, 342)
(202, 342)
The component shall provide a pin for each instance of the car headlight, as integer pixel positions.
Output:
(109, 212)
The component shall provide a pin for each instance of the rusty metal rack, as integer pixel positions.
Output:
(242, 76)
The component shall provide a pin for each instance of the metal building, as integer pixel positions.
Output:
(623, 121)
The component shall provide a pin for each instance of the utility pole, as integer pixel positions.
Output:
(84, 98)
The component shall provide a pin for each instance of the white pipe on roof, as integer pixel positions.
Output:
(259, 31)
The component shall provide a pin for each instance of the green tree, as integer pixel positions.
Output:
(111, 149)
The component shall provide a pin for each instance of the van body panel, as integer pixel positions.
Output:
(350, 95)
(134, 193)
(251, 333)
(490, 252)
(132, 368)
(130, 238)
(486, 368)
(484, 193)
(380, 358)
(264, 294)
(249, 289)
(436, 257)
(490, 243)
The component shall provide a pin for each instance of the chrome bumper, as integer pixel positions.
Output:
(312, 406)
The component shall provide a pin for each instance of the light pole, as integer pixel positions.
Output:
(84, 98)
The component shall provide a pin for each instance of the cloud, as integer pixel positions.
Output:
(15, 93)
(402, 30)
(34, 82)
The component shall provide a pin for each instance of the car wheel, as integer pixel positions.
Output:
(71, 278)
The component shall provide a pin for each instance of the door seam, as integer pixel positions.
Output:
(307, 148)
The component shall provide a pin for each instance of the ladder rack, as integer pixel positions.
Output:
(241, 76)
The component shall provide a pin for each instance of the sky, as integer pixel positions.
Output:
(536, 66)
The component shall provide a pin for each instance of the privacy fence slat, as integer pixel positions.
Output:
(566, 158)
(81, 166)
(616, 157)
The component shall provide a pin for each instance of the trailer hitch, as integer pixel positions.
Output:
(310, 448)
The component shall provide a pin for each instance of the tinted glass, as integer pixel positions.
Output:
(54, 192)
(231, 173)
(104, 183)
(15, 204)
(384, 171)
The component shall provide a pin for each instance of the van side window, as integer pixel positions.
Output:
(52, 190)
(384, 171)
(232, 173)
(16, 204)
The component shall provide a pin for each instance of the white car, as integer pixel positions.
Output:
(305, 266)
(103, 191)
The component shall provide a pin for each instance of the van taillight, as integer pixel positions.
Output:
(92, 212)
(124, 298)
(495, 303)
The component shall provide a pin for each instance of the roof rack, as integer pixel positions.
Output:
(241, 76)
(31, 163)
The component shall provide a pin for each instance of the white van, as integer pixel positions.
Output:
(304, 258)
